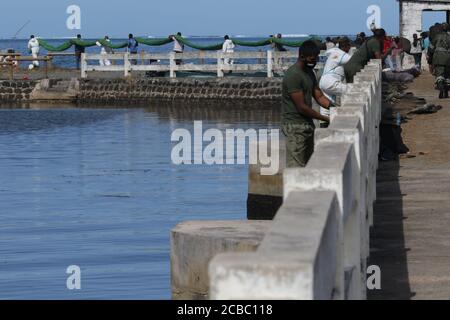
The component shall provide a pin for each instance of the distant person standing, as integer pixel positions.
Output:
(104, 51)
(228, 47)
(33, 47)
(278, 47)
(178, 47)
(425, 44)
(416, 51)
(132, 47)
(299, 87)
(425, 41)
(79, 49)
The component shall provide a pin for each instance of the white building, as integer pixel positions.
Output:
(411, 19)
(411, 14)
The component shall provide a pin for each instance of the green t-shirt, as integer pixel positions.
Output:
(365, 53)
(296, 79)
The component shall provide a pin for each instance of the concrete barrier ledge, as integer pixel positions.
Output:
(287, 262)
(195, 243)
(317, 244)
(297, 259)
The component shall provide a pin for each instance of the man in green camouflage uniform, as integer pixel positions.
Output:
(439, 53)
(298, 89)
(432, 33)
(370, 49)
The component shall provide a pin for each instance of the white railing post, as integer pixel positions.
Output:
(172, 64)
(269, 64)
(202, 57)
(126, 64)
(219, 64)
(83, 65)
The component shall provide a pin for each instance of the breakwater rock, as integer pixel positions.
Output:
(123, 90)
(137, 91)
(16, 91)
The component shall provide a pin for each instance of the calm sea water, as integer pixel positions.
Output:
(96, 188)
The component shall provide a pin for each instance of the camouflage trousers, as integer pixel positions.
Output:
(299, 144)
(441, 72)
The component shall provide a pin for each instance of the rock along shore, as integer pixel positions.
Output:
(129, 91)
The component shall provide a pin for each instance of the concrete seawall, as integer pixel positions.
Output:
(265, 193)
(129, 91)
(317, 246)
(195, 244)
(116, 91)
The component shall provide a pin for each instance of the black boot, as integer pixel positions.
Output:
(445, 90)
(442, 91)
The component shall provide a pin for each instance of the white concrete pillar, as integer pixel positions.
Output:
(269, 64)
(219, 64)
(172, 65)
(126, 64)
(83, 65)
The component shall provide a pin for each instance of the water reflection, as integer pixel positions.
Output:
(247, 112)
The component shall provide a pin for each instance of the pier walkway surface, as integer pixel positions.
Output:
(410, 241)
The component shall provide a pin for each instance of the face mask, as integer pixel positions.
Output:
(309, 64)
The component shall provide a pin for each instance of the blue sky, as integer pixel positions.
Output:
(195, 17)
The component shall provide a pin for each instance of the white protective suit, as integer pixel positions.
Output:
(332, 83)
(228, 47)
(104, 51)
(33, 46)
(177, 46)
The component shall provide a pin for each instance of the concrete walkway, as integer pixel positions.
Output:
(410, 241)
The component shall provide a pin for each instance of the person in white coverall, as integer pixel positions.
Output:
(332, 83)
(228, 47)
(104, 51)
(177, 47)
(33, 47)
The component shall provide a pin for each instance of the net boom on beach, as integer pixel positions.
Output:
(163, 41)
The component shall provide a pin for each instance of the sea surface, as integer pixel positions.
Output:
(96, 188)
